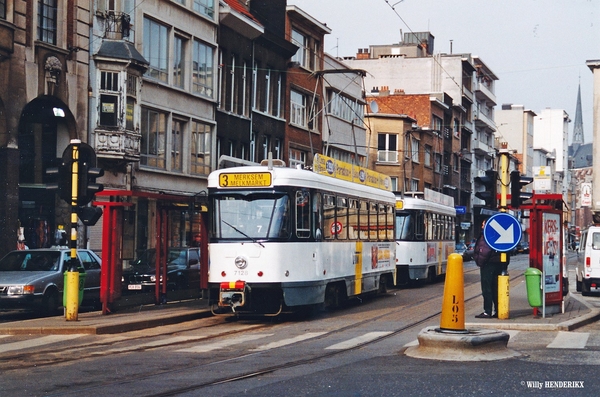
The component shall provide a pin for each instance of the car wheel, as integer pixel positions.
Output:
(585, 288)
(577, 285)
(50, 302)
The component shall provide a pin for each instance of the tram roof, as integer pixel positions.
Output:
(283, 176)
(422, 204)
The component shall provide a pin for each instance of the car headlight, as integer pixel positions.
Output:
(20, 290)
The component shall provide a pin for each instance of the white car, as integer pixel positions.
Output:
(34, 279)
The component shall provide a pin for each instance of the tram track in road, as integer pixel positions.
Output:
(420, 310)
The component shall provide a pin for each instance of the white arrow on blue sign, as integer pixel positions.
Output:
(502, 232)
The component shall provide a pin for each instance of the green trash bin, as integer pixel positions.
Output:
(533, 281)
(81, 286)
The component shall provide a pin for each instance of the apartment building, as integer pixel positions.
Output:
(44, 68)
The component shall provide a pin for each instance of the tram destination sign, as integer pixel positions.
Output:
(246, 179)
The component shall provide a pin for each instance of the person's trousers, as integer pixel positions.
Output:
(489, 286)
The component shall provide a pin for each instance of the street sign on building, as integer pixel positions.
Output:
(502, 232)
(542, 178)
(586, 194)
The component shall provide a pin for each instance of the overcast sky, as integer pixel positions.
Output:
(537, 48)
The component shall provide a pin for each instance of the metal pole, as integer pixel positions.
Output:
(72, 277)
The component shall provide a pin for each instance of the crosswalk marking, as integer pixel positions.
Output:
(224, 343)
(357, 341)
(45, 340)
(285, 342)
(569, 340)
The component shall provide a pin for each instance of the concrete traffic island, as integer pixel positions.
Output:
(451, 341)
(473, 345)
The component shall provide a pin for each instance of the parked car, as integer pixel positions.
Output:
(34, 279)
(523, 247)
(183, 270)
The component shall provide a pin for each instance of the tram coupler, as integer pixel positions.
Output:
(232, 294)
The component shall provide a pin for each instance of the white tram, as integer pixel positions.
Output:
(282, 239)
(425, 236)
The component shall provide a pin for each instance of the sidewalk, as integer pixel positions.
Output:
(576, 314)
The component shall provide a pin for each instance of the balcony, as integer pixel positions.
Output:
(117, 25)
(117, 144)
(483, 121)
(484, 93)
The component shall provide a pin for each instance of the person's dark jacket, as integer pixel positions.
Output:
(484, 254)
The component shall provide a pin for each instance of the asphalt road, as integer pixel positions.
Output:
(354, 351)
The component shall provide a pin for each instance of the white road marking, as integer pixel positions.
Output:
(224, 343)
(569, 340)
(357, 341)
(285, 342)
(45, 340)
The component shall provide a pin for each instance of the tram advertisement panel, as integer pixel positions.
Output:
(551, 251)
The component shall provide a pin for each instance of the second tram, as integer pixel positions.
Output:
(284, 239)
(425, 237)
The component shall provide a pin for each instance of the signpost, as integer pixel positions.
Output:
(502, 232)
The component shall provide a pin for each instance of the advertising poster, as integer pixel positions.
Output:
(550, 251)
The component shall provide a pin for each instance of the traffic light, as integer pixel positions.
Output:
(89, 215)
(87, 186)
(489, 194)
(517, 181)
(62, 180)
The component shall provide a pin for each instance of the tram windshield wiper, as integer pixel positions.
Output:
(242, 233)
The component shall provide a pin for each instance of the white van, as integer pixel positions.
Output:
(588, 261)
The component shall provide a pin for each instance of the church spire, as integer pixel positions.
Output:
(578, 137)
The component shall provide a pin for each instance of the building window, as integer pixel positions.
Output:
(205, 7)
(266, 147)
(176, 145)
(178, 62)
(297, 158)
(156, 49)
(132, 89)
(109, 98)
(298, 109)
(232, 85)
(387, 148)
(437, 166)
(394, 181)
(278, 98)
(414, 185)
(201, 143)
(3, 9)
(414, 147)
(266, 106)
(302, 42)
(344, 107)
(47, 21)
(202, 69)
(428, 150)
(154, 138)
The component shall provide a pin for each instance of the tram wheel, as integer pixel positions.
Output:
(334, 296)
(431, 276)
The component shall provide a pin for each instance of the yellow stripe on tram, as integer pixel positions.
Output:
(358, 268)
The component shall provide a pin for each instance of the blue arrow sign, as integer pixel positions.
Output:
(502, 232)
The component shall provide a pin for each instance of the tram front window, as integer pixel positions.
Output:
(257, 217)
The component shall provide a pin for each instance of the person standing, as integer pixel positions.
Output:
(490, 267)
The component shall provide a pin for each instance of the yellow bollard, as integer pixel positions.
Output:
(72, 297)
(453, 303)
(503, 297)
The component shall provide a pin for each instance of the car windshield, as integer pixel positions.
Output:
(30, 261)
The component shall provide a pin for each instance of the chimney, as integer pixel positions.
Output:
(398, 91)
(384, 90)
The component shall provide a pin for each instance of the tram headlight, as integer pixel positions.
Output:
(241, 262)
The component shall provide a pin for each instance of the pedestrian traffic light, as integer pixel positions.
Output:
(87, 186)
(488, 195)
(62, 182)
(517, 182)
